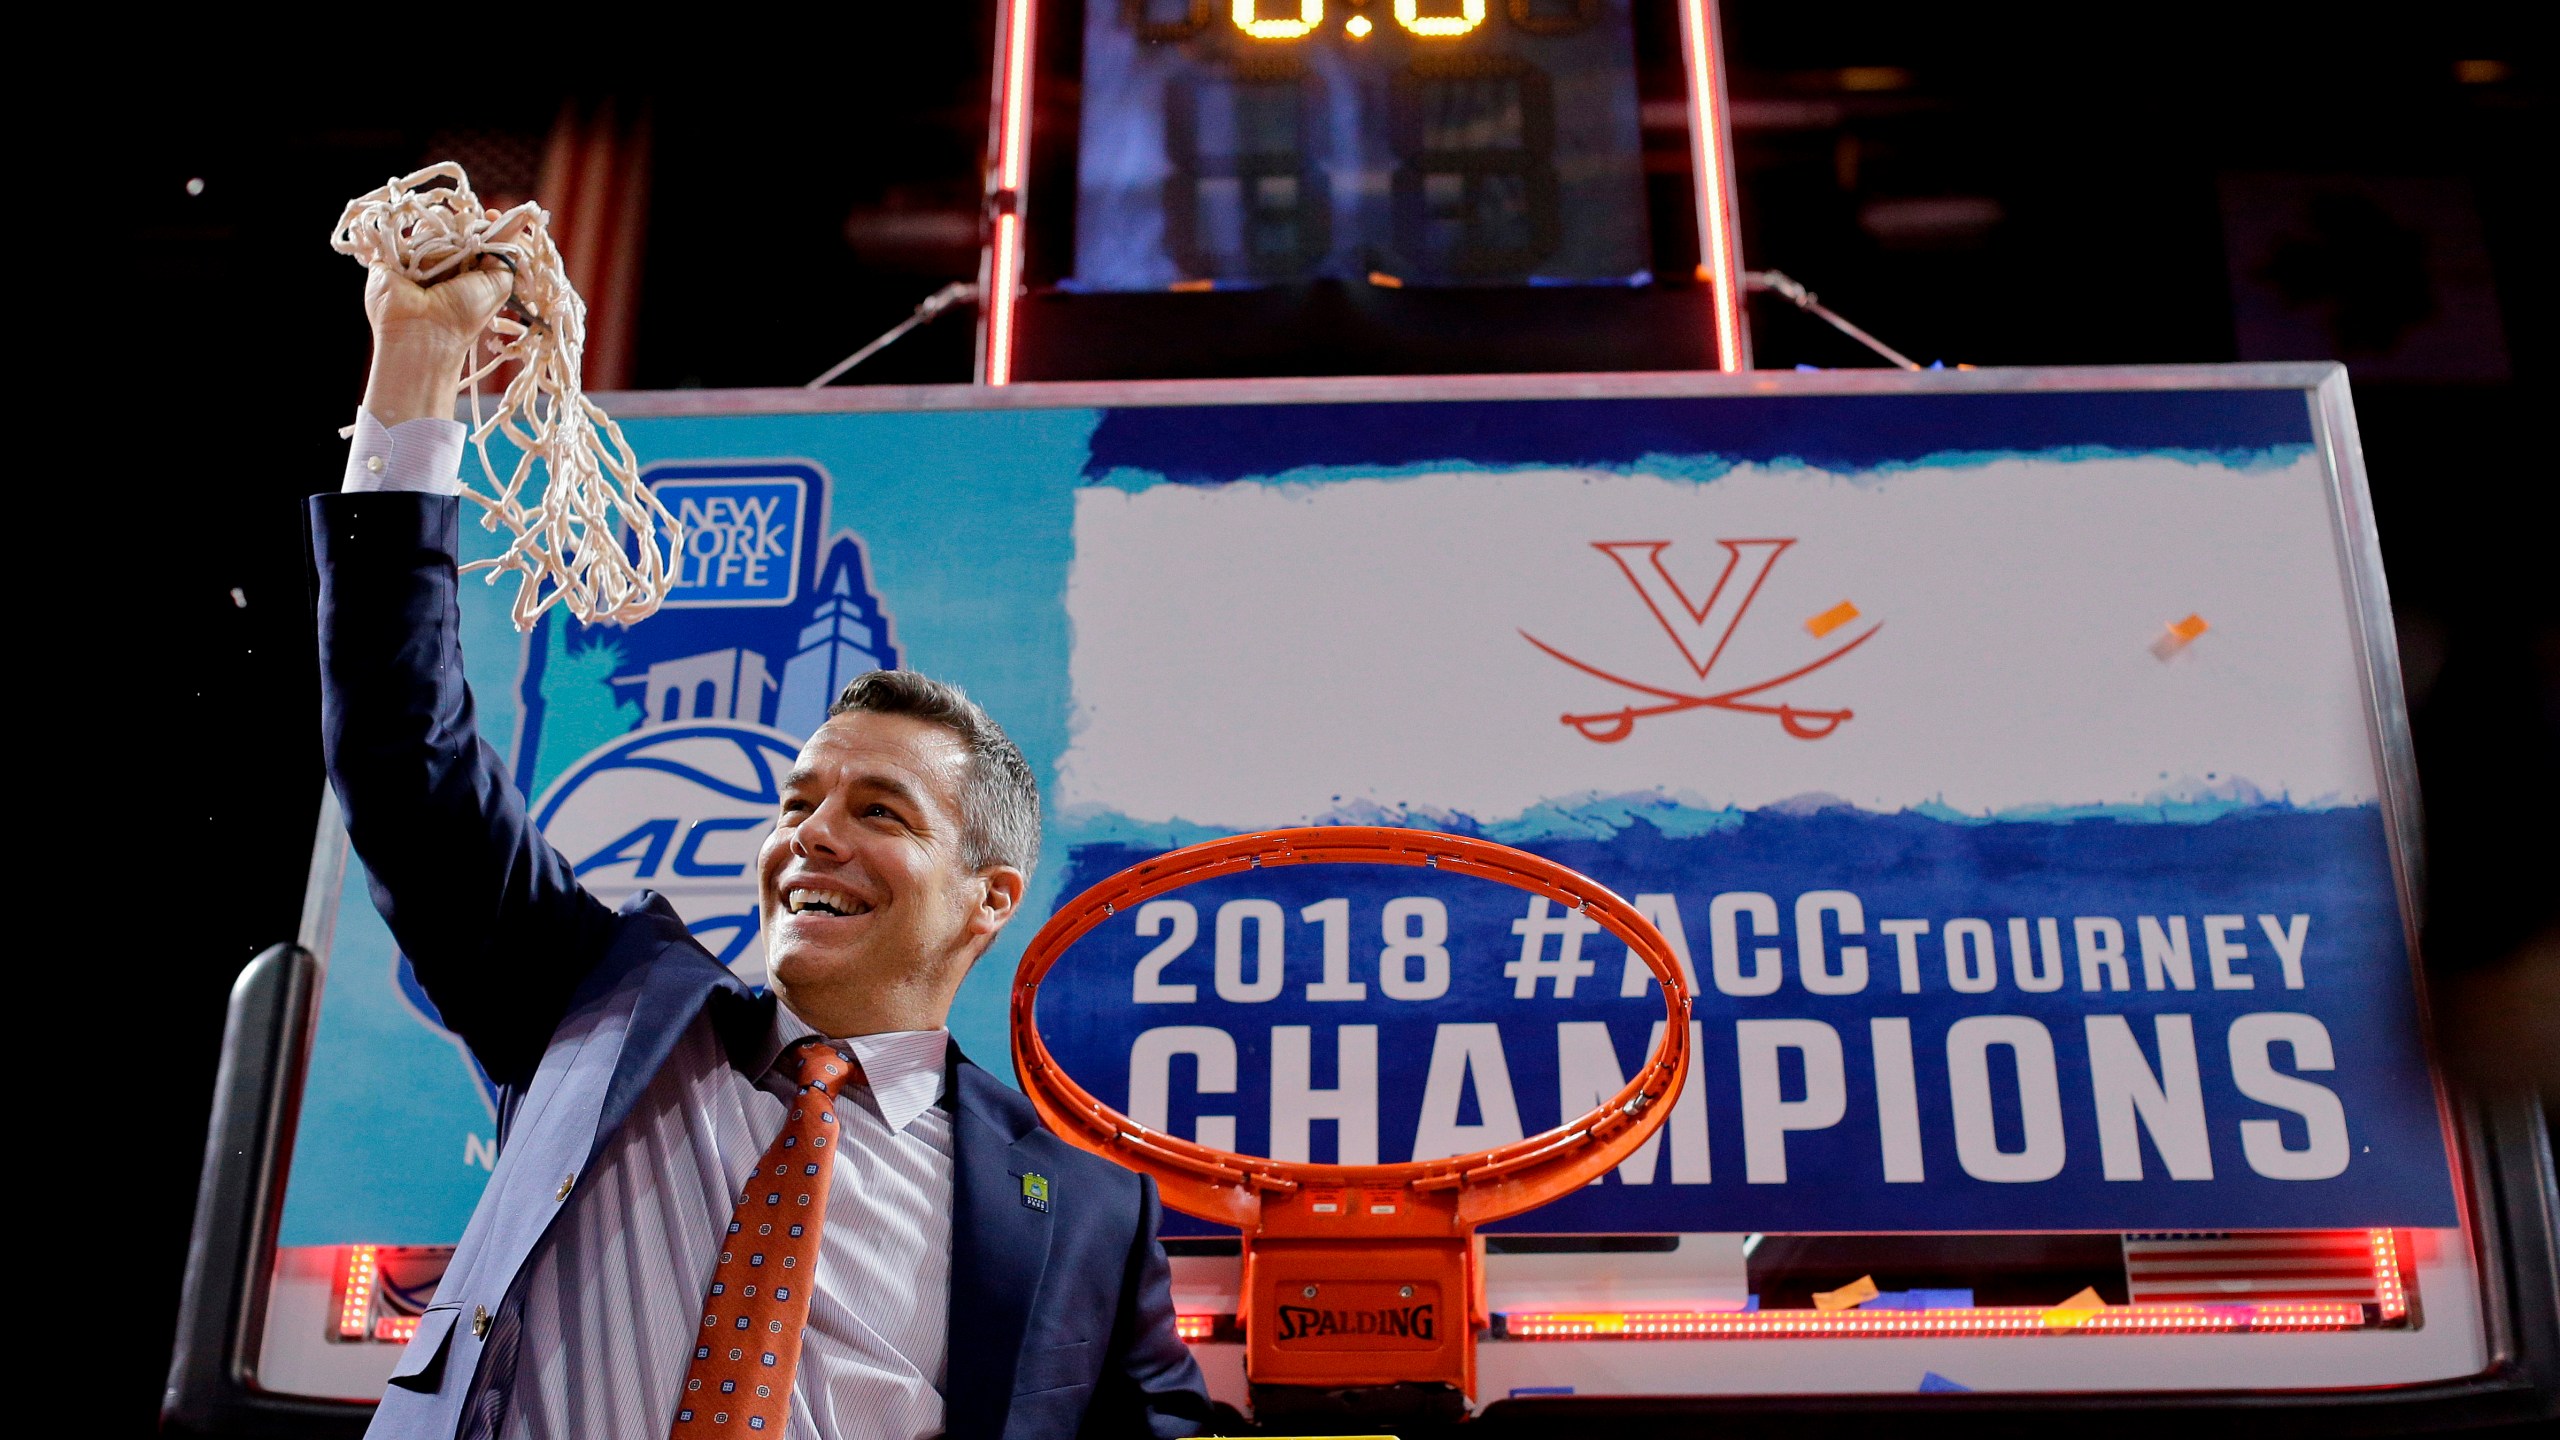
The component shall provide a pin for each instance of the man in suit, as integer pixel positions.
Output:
(715, 1213)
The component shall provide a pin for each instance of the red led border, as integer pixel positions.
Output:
(2388, 1285)
(1884, 1324)
(2239, 1317)
(1711, 163)
(1710, 157)
(1975, 1320)
(1000, 282)
(356, 1282)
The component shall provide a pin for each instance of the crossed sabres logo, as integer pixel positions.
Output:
(1701, 630)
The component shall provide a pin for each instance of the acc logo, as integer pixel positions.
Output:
(1700, 630)
(679, 809)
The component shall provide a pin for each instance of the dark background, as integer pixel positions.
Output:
(1982, 184)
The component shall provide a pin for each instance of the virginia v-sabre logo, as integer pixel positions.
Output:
(1700, 630)
(1400, 1322)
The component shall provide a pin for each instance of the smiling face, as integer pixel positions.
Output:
(872, 914)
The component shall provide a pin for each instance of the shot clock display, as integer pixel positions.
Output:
(1441, 142)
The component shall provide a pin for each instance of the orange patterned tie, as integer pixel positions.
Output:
(743, 1356)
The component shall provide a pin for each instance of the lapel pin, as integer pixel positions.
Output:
(1035, 1193)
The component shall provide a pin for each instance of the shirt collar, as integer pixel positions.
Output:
(903, 1068)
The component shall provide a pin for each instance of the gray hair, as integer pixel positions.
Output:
(999, 799)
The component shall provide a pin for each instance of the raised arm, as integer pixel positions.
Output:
(489, 914)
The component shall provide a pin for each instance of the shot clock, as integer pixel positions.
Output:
(1440, 142)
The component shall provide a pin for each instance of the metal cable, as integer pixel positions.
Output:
(956, 293)
(1777, 282)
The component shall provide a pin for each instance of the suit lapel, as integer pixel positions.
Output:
(999, 1252)
(676, 977)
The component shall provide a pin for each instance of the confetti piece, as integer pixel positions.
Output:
(1848, 1297)
(2074, 1312)
(1921, 1300)
(2177, 637)
(239, 598)
(1831, 619)
(1385, 281)
(1933, 1383)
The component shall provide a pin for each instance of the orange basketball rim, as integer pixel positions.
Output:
(1358, 1275)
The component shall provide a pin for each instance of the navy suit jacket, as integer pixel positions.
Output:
(1061, 1320)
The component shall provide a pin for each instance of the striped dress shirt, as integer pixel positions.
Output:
(613, 1301)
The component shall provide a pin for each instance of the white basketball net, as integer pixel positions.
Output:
(569, 543)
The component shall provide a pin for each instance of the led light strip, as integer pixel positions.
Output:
(355, 1290)
(1005, 273)
(2233, 1318)
(1004, 258)
(1815, 1324)
(398, 1329)
(2387, 1284)
(1711, 161)
(1979, 1320)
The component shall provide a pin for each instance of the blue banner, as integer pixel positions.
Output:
(1904, 1023)
(2002, 758)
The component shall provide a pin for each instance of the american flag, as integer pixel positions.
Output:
(2357, 1266)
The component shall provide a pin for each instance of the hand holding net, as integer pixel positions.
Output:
(569, 540)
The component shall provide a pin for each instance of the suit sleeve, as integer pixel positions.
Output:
(491, 917)
(1150, 1386)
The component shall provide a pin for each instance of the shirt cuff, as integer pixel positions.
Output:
(423, 455)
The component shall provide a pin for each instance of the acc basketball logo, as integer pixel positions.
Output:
(1699, 631)
(679, 810)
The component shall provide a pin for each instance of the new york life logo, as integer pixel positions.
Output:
(1700, 631)
(742, 534)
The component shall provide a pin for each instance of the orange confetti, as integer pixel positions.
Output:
(1848, 1297)
(2075, 1312)
(1831, 619)
(2174, 638)
(1385, 281)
